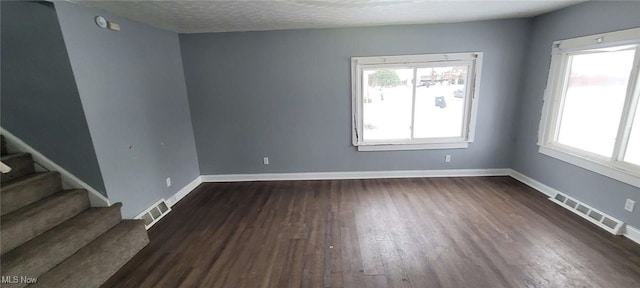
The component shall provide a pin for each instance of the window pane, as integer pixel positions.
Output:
(633, 148)
(440, 98)
(387, 96)
(594, 100)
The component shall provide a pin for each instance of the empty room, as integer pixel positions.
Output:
(320, 143)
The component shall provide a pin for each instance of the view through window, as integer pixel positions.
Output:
(591, 106)
(439, 102)
(417, 102)
(594, 98)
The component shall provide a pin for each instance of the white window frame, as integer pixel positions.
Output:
(358, 64)
(614, 166)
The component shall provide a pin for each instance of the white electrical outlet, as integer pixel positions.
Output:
(629, 205)
(265, 160)
(169, 182)
(447, 158)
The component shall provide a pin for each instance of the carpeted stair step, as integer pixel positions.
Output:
(25, 190)
(21, 164)
(92, 265)
(41, 254)
(3, 146)
(34, 219)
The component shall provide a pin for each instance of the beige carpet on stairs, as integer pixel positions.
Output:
(51, 237)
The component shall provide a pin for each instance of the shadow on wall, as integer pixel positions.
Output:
(40, 101)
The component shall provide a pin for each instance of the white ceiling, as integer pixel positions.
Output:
(252, 15)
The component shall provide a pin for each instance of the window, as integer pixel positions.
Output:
(589, 116)
(415, 101)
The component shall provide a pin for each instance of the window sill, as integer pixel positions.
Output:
(402, 147)
(605, 169)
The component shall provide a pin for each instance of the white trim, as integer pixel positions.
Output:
(544, 189)
(628, 112)
(184, 191)
(473, 60)
(601, 40)
(474, 94)
(416, 141)
(355, 175)
(613, 165)
(356, 108)
(68, 180)
(416, 58)
(414, 89)
(632, 233)
(629, 231)
(598, 167)
(396, 147)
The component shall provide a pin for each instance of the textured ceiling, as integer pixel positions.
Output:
(252, 15)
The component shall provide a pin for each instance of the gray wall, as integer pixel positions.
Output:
(132, 88)
(40, 100)
(287, 95)
(602, 192)
(282, 94)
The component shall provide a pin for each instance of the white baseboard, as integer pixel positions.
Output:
(629, 231)
(184, 191)
(68, 180)
(355, 175)
(544, 189)
(332, 176)
(632, 233)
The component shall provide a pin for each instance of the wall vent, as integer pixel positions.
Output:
(594, 216)
(154, 213)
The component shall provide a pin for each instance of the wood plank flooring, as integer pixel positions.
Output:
(427, 232)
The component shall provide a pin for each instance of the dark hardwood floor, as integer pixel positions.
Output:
(432, 232)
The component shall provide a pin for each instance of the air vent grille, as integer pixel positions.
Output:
(594, 216)
(154, 213)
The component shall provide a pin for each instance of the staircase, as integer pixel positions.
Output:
(51, 237)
